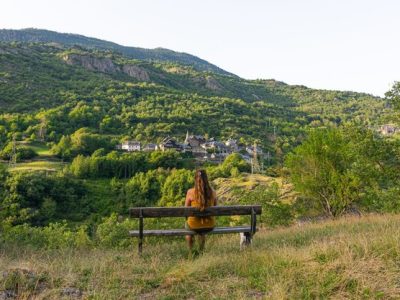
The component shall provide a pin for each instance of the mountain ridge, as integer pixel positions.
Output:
(34, 35)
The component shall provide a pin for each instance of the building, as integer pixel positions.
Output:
(250, 150)
(170, 143)
(216, 147)
(193, 143)
(150, 147)
(194, 140)
(388, 129)
(232, 144)
(131, 146)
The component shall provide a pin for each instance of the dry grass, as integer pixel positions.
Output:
(353, 258)
(226, 187)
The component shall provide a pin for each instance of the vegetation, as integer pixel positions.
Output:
(348, 258)
(32, 35)
(65, 108)
(47, 95)
(338, 168)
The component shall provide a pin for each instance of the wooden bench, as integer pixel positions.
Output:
(183, 212)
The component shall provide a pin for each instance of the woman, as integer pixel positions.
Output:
(201, 196)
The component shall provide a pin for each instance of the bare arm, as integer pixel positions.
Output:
(188, 200)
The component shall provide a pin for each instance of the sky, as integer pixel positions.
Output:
(343, 44)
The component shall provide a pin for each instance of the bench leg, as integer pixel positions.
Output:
(140, 245)
(245, 240)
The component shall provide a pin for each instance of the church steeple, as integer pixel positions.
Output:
(187, 137)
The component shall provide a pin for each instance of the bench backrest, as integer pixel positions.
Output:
(156, 212)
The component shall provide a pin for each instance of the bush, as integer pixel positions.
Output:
(39, 199)
(341, 167)
(113, 234)
(53, 236)
(22, 152)
(175, 187)
(275, 212)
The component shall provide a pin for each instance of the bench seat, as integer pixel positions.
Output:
(181, 232)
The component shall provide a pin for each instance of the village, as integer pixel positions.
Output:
(201, 148)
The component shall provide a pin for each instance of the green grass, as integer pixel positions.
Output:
(354, 258)
(38, 166)
(40, 148)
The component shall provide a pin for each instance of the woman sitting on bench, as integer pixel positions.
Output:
(201, 196)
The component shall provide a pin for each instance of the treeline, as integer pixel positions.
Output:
(125, 165)
(38, 198)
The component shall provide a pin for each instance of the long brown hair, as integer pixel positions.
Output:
(203, 192)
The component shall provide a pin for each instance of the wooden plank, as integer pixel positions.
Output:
(155, 212)
(181, 232)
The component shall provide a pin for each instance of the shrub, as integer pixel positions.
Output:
(113, 234)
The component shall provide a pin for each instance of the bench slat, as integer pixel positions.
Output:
(155, 212)
(181, 232)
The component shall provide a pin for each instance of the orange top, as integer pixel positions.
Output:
(198, 222)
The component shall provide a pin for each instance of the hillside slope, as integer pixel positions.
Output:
(32, 35)
(64, 88)
(355, 258)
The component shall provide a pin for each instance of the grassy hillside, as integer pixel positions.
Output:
(353, 258)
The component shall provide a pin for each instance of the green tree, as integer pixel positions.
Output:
(340, 167)
(144, 189)
(321, 170)
(175, 187)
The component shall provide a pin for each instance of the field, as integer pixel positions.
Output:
(40, 148)
(38, 165)
(355, 258)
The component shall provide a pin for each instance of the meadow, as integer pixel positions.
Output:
(352, 257)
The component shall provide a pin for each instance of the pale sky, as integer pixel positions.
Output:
(342, 44)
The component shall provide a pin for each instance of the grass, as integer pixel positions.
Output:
(227, 187)
(40, 165)
(39, 147)
(356, 258)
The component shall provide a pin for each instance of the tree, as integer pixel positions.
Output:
(175, 187)
(22, 152)
(145, 188)
(339, 167)
(393, 95)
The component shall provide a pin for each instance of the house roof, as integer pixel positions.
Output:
(131, 143)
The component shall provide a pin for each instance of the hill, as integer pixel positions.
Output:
(353, 258)
(32, 35)
(65, 88)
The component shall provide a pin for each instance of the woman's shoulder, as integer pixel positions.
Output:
(190, 191)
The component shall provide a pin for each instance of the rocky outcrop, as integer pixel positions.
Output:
(209, 82)
(106, 65)
(136, 72)
(213, 84)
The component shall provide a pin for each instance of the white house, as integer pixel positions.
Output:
(131, 146)
(150, 147)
